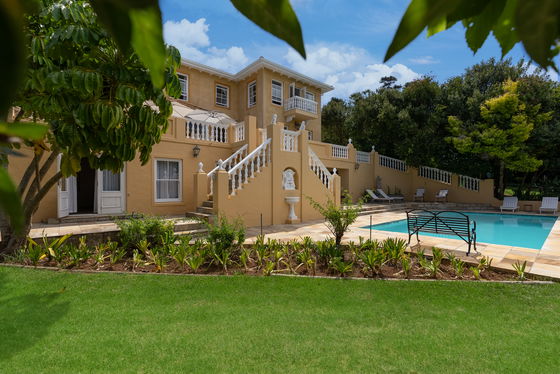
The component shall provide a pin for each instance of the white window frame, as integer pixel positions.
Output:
(309, 95)
(281, 92)
(252, 85)
(227, 95)
(180, 198)
(184, 94)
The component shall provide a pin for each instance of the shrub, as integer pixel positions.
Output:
(224, 239)
(520, 269)
(395, 249)
(406, 264)
(152, 229)
(338, 218)
(327, 250)
(341, 267)
(458, 266)
(373, 259)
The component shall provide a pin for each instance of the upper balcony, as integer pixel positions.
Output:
(301, 108)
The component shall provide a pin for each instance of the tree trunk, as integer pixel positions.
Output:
(501, 180)
(11, 240)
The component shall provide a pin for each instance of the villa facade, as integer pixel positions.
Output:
(257, 155)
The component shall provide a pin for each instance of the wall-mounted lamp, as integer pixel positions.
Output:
(356, 166)
(196, 151)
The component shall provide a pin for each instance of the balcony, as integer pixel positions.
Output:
(301, 108)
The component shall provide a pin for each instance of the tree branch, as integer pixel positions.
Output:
(31, 204)
(28, 173)
(44, 169)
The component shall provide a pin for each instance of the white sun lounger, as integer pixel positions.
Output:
(509, 203)
(442, 195)
(391, 198)
(549, 204)
(419, 195)
(375, 197)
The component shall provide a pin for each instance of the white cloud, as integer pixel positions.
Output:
(424, 60)
(349, 69)
(192, 40)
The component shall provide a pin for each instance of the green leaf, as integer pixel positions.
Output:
(12, 61)
(24, 130)
(504, 29)
(419, 15)
(114, 16)
(275, 16)
(538, 27)
(147, 41)
(480, 26)
(10, 201)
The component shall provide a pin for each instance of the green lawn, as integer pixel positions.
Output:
(69, 323)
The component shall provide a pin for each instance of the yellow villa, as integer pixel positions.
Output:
(246, 145)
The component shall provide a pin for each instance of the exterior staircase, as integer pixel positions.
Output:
(204, 212)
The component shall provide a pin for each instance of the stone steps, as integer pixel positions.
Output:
(204, 212)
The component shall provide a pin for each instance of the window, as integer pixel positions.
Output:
(184, 81)
(111, 181)
(168, 180)
(222, 95)
(309, 135)
(295, 91)
(310, 96)
(252, 94)
(277, 92)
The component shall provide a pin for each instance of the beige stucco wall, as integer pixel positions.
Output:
(17, 166)
(265, 195)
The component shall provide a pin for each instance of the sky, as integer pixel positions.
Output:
(345, 42)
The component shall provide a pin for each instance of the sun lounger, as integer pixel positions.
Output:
(442, 195)
(419, 195)
(391, 198)
(374, 197)
(549, 204)
(509, 203)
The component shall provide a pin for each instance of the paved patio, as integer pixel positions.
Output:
(544, 262)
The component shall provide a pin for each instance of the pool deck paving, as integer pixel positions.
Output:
(544, 262)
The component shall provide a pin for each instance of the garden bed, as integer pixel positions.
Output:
(149, 246)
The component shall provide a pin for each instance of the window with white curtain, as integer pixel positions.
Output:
(184, 81)
(168, 180)
(111, 181)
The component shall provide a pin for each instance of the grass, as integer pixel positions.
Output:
(62, 322)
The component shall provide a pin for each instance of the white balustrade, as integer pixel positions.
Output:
(290, 140)
(239, 131)
(207, 131)
(469, 183)
(227, 164)
(363, 157)
(339, 151)
(301, 103)
(435, 174)
(392, 163)
(264, 135)
(252, 164)
(317, 166)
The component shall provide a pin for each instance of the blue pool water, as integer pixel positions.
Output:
(506, 229)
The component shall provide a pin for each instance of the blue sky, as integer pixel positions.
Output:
(345, 42)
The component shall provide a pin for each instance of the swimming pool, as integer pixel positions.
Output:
(517, 230)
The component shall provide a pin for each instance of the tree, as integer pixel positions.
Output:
(93, 97)
(534, 23)
(506, 125)
(333, 121)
